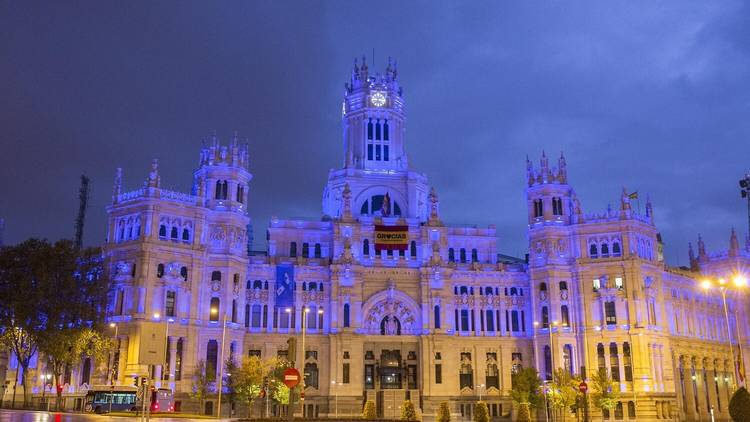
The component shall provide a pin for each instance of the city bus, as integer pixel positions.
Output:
(118, 398)
(162, 400)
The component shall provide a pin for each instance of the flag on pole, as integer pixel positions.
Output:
(633, 195)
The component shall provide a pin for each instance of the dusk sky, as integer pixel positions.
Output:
(653, 96)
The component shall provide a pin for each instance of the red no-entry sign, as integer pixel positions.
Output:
(291, 377)
(583, 387)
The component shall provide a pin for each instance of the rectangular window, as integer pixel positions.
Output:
(377, 152)
(178, 361)
(385, 152)
(610, 313)
(514, 320)
(369, 377)
(169, 305)
(345, 374)
(369, 152)
(411, 371)
(438, 373)
(618, 282)
(256, 316)
(597, 284)
(490, 321)
(120, 300)
(464, 320)
(253, 352)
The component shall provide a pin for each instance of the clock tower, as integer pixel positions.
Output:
(375, 161)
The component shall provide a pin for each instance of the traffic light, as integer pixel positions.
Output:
(135, 381)
(292, 350)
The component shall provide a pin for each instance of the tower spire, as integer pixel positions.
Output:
(117, 185)
(734, 244)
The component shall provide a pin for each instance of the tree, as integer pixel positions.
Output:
(525, 386)
(408, 413)
(249, 380)
(563, 391)
(201, 385)
(368, 412)
(739, 406)
(443, 413)
(62, 289)
(481, 414)
(65, 347)
(604, 395)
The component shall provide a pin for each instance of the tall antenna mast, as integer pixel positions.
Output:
(83, 199)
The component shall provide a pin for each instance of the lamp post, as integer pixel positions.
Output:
(221, 361)
(745, 193)
(479, 390)
(336, 394)
(45, 379)
(739, 281)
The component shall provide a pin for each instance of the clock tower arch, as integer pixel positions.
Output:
(374, 127)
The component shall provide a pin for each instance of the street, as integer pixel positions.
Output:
(7, 415)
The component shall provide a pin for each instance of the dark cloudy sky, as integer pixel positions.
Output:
(654, 96)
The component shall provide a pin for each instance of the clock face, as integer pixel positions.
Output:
(377, 99)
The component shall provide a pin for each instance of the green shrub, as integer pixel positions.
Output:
(408, 413)
(523, 413)
(739, 406)
(481, 414)
(368, 412)
(443, 413)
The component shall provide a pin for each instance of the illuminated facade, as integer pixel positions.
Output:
(444, 316)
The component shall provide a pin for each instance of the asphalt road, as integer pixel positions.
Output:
(7, 415)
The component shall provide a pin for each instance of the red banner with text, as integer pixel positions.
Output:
(393, 238)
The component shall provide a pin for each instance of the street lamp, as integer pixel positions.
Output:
(336, 394)
(479, 390)
(745, 193)
(739, 281)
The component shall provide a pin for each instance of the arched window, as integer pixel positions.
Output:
(451, 255)
(463, 290)
(346, 315)
(593, 253)
(396, 206)
(256, 317)
(618, 411)
(614, 362)
(474, 255)
(306, 250)
(257, 284)
(317, 250)
(311, 375)
(366, 247)
(568, 358)
(377, 130)
(437, 316)
(547, 363)
(631, 409)
(160, 270)
(240, 193)
(413, 249)
(538, 208)
(217, 194)
(490, 320)
(563, 285)
(385, 131)
(212, 359)
(564, 316)
(542, 287)
(605, 250)
(173, 233)
(513, 291)
(365, 208)
(247, 314)
(312, 286)
(293, 249)
(185, 235)
(224, 189)
(600, 360)
(627, 361)
(488, 291)
(184, 273)
(216, 276)
(214, 309)
(162, 230)
(234, 310)
(545, 317)
(616, 249)
(369, 131)
(462, 255)
(86, 371)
